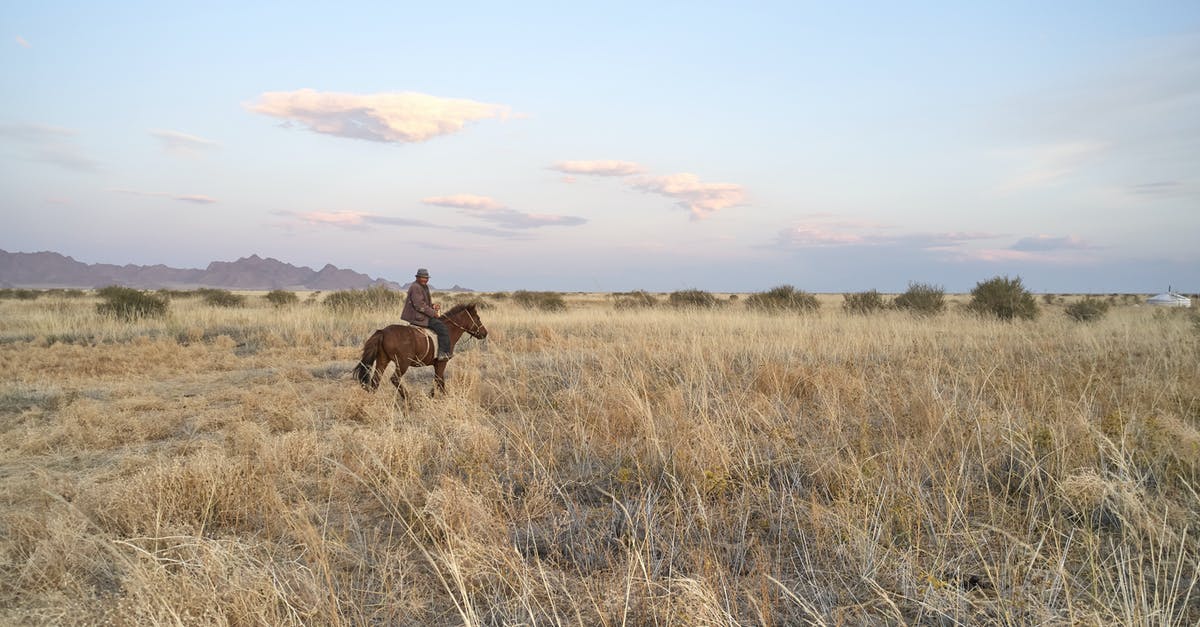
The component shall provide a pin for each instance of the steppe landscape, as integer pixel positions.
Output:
(600, 466)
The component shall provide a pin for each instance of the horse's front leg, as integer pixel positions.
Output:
(439, 378)
(399, 372)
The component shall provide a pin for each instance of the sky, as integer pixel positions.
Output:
(613, 146)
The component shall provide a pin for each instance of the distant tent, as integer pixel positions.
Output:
(1170, 299)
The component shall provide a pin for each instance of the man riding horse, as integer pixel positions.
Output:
(420, 311)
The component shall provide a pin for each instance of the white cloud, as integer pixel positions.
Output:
(397, 118)
(49, 144)
(598, 168)
(22, 43)
(1048, 243)
(182, 143)
(701, 199)
(189, 198)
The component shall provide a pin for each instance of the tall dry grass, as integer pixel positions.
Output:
(600, 466)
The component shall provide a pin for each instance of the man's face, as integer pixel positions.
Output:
(423, 280)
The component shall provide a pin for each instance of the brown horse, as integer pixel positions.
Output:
(408, 346)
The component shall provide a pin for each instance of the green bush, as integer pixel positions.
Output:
(170, 294)
(922, 299)
(783, 298)
(1088, 309)
(130, 304)
(374, 298)
(638, 299)
(282, 298)
(66, 293)
(546, 301)
(19, 294)
(692, 298)
(863, 302)
(1004, 298)
(221, 298)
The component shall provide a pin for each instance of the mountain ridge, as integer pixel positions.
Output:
(52, 269)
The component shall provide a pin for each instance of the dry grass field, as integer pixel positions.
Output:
(600, 467)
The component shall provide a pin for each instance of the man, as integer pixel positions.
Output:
(419, 310)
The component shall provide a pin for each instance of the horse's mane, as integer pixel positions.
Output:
(457, 308)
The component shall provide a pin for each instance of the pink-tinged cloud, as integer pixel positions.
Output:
(190, 198)
(1066, 257)
(830, 232)
(395, 118)
(491, 210)
(334, 218)
(810, 236)
(1046, 164)
(464, 201)
(182, 143)
(22, 43)
(701, 199)
(598, 168)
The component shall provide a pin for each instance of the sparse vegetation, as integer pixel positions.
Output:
(19, 294)
(864, 302)
(545, 301)
(1087, 309)
(1003, 298)
(221, 298)
(282, 298)
(378, 298)
(637, 299)
(922, 299)
(650, 466)
(129, 304)
(692, 299)
(783, 298)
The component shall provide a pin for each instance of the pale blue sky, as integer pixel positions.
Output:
(614, 146)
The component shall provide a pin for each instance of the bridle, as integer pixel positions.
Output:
(475, 325)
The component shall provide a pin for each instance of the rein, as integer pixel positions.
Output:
(475, 324)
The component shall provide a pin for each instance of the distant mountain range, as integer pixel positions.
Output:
(50, 269)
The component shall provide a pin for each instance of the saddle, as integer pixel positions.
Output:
(426, 331)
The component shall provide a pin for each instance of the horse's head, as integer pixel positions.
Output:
(466, 317)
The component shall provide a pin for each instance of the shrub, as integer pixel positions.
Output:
(1088, 309)
(282, 298)
(19, 294)
(546, 301)
(221, 298)
(692, 298)
(66, 293)
(1004, 298)
(863, 302)
(373, 298)
(130, 304)
(922, 299)
(783, 298)
(170, 294)
(638, 299)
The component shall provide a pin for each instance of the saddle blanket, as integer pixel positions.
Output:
(426, 331)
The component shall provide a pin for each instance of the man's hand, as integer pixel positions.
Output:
(437, 307)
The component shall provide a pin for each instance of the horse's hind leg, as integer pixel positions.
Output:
(381, 363)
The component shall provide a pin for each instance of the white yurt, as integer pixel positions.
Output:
(1169, 299)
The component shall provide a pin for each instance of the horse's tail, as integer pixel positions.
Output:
(370, 353)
